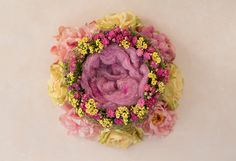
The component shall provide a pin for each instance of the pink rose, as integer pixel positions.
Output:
(68, 37)
(160, 121)
(78, 126)
(115, 77)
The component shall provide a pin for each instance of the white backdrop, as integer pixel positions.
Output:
(204, 34)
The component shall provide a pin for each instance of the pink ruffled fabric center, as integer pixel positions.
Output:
(115, 77)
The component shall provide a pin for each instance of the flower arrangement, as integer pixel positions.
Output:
(116, 80)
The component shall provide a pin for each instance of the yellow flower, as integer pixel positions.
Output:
(123, 112)
(152, 75)
(99, 46)
(56, 87)
(125, 44)
(105, 122)
(121, 137)
(83, 46)
(140, 111)
(70, 79)
(91, 49)
(123, 20)
(74, 102)
(91, 107)
(85, 39)
(141, 44)
(154, 82)
(174, 88)
(161, 87)
(156, 58)
(79, 111)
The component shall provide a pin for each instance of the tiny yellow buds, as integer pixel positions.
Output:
(141, 44)
(156, 58)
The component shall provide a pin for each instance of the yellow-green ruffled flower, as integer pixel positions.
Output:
(174, 88)
(123, 20)
(56, 86)
(121, 137)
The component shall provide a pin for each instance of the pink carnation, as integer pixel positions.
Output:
(68, 37)
(161, 120)
(78, 126)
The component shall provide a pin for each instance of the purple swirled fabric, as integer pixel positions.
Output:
(114, 77)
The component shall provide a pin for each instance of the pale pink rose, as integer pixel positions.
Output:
(68, 37)
(160, 121)
(79, 126)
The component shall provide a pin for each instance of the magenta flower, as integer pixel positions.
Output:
(146, 56)
(110, 113)
(118, 121)
(153, 64)
(134, 117)
(134, 40)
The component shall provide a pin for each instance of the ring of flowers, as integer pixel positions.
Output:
(125, 38)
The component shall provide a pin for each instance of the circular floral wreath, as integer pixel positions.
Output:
(116, 80)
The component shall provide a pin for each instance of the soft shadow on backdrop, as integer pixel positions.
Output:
(203, 32)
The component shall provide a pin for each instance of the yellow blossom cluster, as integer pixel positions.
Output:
(74, 102)
(156, 58)
(140, 111)
(161, 87)
(91, 107)
(105, 122)
(70, 78)
(141, 44)
(153, 78)
(123, 112)
(85, 47)
(79, 111)
(125, 44)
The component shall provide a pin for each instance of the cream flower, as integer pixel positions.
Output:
(123, 20)
(121, 138)
(174, 88)
(56, 88)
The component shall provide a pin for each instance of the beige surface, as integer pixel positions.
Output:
(204, 33)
